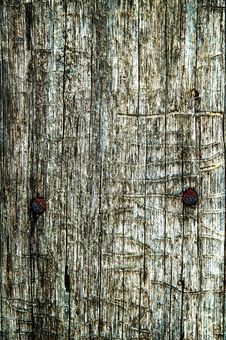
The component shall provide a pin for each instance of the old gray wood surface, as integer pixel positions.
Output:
(97, 113)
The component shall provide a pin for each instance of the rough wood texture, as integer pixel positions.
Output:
(98, 114)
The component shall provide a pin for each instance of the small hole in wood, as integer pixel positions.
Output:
(194, 93)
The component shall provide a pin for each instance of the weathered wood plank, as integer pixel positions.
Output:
(99, 115)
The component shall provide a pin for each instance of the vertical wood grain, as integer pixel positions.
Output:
(98, 114)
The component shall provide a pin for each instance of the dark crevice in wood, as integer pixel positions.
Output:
(224, 136)
(182, 312)
(33, 177)
(100, 243)
(165, 125)
(198, 128)
(196, 102)
(170, 298)
(67, 280)
(138, 142)
(182, 243)
(166, 92)
(31, 286)
(139, 304)
(99, 90)
(67, 276)
(29, 21)
(89, 223)
(197, 325)
(64, 86)
(2, 157)
(145, 209)
(123, 268)
(145, 270)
